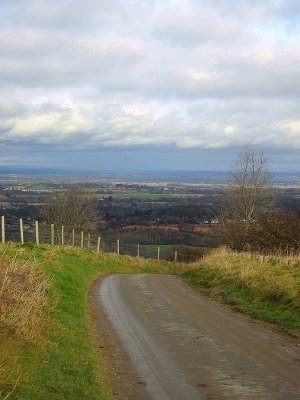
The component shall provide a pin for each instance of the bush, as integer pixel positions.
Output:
(268, 233)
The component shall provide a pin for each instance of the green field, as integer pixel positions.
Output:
(39, 186)
(147, 196)
(164, 248)
(168, 249)
(137, 196)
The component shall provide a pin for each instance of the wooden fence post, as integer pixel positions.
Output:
(21, 231)
(73, 237)
(37, 234)
(138, 250)
(158, 252)
(98, 244)
(118, 246)
(3, 229)
(81, 241)
(62, 235)
(175, 256)
(52, 234)
(89, 241)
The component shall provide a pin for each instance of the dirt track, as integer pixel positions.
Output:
(163, 341)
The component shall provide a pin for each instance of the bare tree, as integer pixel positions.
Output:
(250, 180)
(248, 194)
(73, 209)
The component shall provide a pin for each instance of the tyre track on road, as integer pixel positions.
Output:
(184, 346)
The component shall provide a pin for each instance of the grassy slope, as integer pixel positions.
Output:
(64, 363)
(266, 288)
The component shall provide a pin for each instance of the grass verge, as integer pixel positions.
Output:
(265, 288)
(61, 361)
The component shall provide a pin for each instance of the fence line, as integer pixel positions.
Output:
(37, 232)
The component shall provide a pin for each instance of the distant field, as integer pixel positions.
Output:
(39, 187)
(149, 196)
(153, 247)
(166, 249)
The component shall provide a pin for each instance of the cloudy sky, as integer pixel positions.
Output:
(149, 84)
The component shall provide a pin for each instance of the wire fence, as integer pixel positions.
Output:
(37, 232)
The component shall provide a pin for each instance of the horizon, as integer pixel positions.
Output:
(128, 171)
(171, 177)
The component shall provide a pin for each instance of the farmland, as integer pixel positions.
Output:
(150, 210)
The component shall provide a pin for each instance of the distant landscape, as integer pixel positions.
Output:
(163, 207)
(16, 173)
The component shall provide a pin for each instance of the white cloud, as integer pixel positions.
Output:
(290, 131)
(124, 73)
(105, 123)
(199, 75)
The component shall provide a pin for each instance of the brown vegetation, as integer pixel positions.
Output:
(248, 216)
(276, 233)
(24, 303)
(23, 297)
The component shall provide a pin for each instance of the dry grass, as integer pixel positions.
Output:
(23, 296)
(9, 374)
(24, 303)
(276, 277)
(264, 287)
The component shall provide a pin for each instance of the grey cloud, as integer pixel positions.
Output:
(184, 125)
(203, 74)
(199, 25)
(130, 64)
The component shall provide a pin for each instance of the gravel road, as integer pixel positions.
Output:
(162, 341)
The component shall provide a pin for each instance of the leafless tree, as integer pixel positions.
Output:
(73, 209)
(249, 186)
(248, 194)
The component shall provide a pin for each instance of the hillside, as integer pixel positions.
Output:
(47, 345)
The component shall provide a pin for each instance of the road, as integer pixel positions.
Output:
(163, 341)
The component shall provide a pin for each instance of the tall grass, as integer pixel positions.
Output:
(276, 277)
(24, 306)
(23, 296)
(266, 287)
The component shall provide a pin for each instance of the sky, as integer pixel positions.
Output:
(149, 85)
